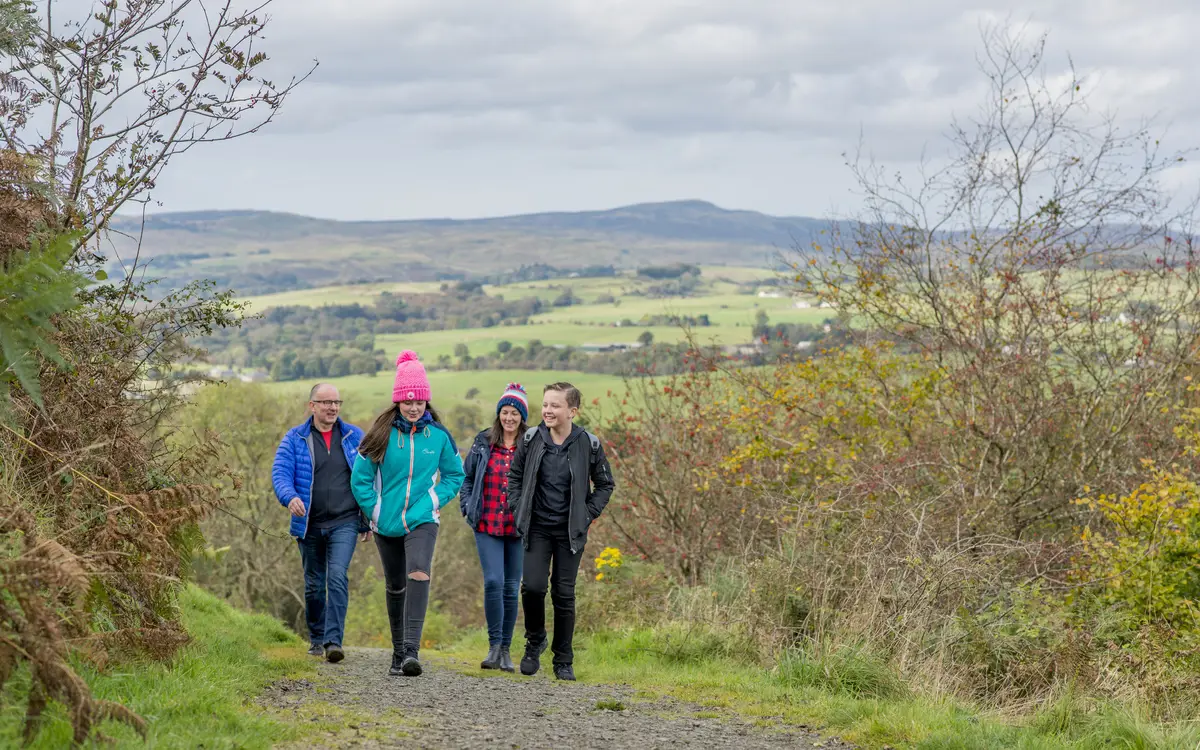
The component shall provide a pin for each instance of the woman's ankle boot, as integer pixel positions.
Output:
(493, 658)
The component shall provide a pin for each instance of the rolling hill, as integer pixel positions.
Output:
(259, 251)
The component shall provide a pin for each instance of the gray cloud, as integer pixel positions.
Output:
(444, 99)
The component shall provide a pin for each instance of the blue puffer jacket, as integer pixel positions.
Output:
(292, 473)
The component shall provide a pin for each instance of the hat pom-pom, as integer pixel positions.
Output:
(408, 355)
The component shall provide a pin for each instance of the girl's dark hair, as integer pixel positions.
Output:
(375, 441)
(496, 433)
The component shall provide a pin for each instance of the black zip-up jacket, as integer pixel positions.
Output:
(591, 482)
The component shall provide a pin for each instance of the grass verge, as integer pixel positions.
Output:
(199, 699)
(847, 692)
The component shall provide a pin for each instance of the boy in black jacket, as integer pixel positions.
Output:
(558, 483)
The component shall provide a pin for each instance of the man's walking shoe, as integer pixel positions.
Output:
(410, 666)
(316, 650)
(506, 663)
(530, 662)
(564, 672)
(493, 659)
(334, 653)
(396, 669)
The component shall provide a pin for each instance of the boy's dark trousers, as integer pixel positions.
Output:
(548, 560)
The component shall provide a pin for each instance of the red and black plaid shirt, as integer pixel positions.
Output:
(497, 519)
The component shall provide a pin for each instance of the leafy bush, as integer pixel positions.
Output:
(1144, 552)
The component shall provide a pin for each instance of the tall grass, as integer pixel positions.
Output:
(199, 698)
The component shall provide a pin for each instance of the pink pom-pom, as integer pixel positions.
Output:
(408, 355)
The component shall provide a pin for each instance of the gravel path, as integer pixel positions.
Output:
(356, 704)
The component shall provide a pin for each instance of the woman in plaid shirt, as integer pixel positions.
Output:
(484, 503)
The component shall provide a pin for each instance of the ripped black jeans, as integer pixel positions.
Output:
(403, 557)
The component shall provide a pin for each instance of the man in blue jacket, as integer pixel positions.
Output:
(312, 480)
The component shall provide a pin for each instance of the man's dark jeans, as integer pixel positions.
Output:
(326, 555)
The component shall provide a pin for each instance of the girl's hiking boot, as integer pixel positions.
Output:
(506, 663)
(531, 661)
(493, 658)
(316, 650)
(409, 665)
(564, 672)
(334, 653)
(396, 670)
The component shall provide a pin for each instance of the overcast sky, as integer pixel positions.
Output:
(466, 108)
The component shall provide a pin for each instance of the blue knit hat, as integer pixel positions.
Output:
(514, 396)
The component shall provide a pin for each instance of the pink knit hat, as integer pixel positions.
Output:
(411, 382)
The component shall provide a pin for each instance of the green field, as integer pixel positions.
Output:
(722, 310)
(367, 395)
(336, 295)
(731, 314)
(716, 280)
(432, 344)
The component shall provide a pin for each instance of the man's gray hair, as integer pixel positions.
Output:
(313, 393)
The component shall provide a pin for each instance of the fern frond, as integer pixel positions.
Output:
(34, 287)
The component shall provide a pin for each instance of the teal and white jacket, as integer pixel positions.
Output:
(420, 472)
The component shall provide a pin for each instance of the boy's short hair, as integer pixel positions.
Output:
(572, 394)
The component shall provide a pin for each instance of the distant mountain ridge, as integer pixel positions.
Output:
(255, 252)
(681, 220)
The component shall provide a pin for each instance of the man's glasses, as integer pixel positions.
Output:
(328, 403)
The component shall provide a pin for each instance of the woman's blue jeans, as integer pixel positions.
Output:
(501, 559)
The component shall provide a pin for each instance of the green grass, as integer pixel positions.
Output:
(199, 699)
(849, 693)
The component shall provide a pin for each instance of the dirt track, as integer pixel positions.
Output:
(356, 704)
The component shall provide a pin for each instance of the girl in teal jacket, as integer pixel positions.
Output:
(407, 468)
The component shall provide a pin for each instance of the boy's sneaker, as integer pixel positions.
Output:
(396, 669)
(564, 672)
(409, 665)
(316, 650)
(334, 653)
(531, 661)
